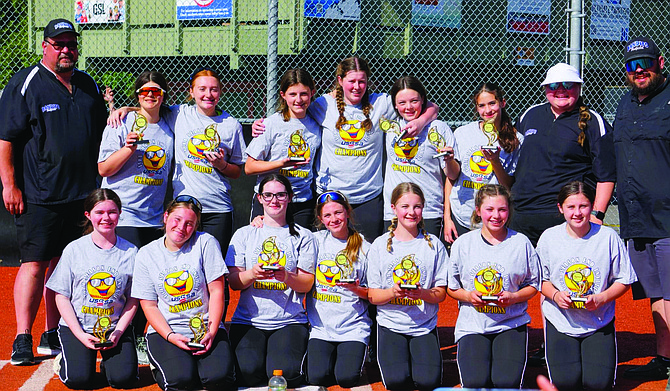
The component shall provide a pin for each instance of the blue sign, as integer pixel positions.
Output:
(204, 9)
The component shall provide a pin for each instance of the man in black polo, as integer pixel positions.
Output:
(53, 116)
(642, 146)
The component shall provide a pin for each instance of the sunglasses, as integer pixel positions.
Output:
(568, 85)
(281, 196)
(144, 91)
(332, 195)
(644, 63)
(189, 200)
(59, 46)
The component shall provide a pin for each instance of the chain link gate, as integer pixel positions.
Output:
(451, 45)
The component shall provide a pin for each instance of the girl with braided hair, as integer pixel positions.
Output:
(352, 143)
(493, 272)
(563, 141)
(407, 279)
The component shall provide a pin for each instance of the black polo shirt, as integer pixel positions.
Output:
(550, 156)
(55, 134)
(642, 145)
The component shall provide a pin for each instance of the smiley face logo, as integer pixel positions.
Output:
(352, 130)
(101, 285)
(199, 144)
(406, 148)
(489, 281)
(154, 158)
(579, 279)
(406, 272)
(297, 146)
(270, 254)
(328, 273)
(479, 164)
(178, 283)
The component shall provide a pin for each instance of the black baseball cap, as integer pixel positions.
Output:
(57, 27)
(640, 47)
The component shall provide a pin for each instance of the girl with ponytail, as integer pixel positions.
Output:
(407, 279)
(493, 272)
(337, 307)
(273, 267)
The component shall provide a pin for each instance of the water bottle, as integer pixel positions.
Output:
(277, 381)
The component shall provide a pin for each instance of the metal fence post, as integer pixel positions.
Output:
(576, 34)
(273, 18)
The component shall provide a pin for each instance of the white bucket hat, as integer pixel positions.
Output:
(562, 72)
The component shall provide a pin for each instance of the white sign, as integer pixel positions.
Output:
(99, 11)
(610, 20)
(528, 16)
(437, 13)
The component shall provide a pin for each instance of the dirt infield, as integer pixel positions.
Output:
(634, 337)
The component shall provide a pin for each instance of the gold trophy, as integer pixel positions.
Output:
(580, 278)
(199, 329)
(100, 329)
(346, 268)
(139, 126)
(491, 134)
(492, 282)
(407, 272)
(437, 141)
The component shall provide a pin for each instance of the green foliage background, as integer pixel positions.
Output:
(14, 53)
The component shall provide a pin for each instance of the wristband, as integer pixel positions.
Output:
(167, 337)
(554, 296)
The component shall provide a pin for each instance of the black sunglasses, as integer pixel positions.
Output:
(189, 199)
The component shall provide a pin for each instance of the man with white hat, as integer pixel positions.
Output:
(642, 146)
(53, 116)
(563, 141)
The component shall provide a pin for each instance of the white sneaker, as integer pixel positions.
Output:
(141, 348)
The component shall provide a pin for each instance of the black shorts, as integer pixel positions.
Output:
(43, 231)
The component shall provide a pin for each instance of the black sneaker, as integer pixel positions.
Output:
(22, 350)
(656, 369)
(49, 343)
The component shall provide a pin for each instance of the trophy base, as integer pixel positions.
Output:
(270, 267)
(195, 345)
(105, 344)
(579, 299)
(297, 159)
(490, 298)
(138, 142)
(491, 148)
(442, 154)
(347, 280)
(408, 286)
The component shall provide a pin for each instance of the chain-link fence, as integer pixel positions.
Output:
(451, 45)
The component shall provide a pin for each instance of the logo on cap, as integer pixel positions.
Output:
(63, 25)
(637, 45)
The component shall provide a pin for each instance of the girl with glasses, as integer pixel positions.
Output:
(136, 160)
(352, 143)
(407, 279)
(92, 284)
(337, 307)
(493, 272)
(585, 268)
(272, 266)
(489, 150)
(289, 145)
(179, 280)
(563, 141)
(420, 159)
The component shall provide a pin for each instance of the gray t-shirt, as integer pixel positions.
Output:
(194, 175)
(350, 159)
(178, 280)
(507, 266)
(142, 182)
(271, 304)
(335, 313)
(475, 170)
(96, 281)
(583, 266)
(411, 160)
(292, 138)
(411, 262)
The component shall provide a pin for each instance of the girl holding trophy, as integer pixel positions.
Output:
(488, 150)
(179, 282)
(337, 307)
(407, 279)
(92, 284)
(493, 273)
(585, 267)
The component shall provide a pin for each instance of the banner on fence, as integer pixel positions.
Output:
(204, 9)
(333, 9)
(437, 13)
(528, 16)
(99, 11)
(610, 20)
